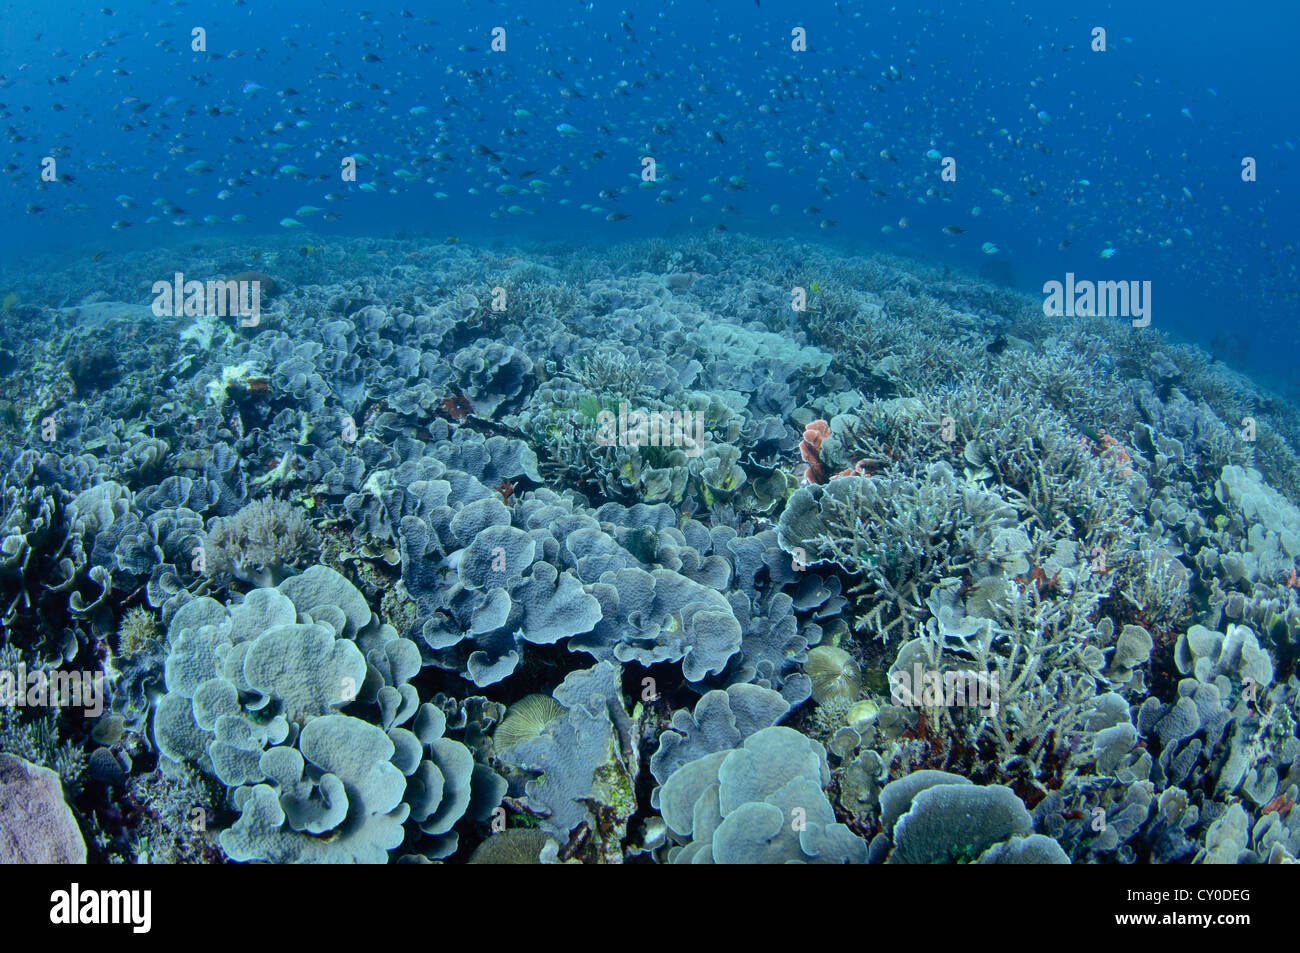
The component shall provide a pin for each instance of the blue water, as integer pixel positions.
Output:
(1156, 126)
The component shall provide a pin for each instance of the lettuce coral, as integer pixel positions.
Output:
(298, 700)
(761, 802)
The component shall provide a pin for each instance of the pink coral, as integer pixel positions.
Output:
(813, 435)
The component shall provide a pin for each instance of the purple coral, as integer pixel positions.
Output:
(36, 825)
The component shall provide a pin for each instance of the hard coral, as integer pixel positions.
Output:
(813, 435)
(732, 807)
(36, 826)
(92, 369)
(261, 544)
(298, 700)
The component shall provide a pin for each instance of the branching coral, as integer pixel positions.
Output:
(898, 534)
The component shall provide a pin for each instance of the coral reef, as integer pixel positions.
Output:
(636, 563)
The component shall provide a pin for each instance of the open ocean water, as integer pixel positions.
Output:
(715, 431)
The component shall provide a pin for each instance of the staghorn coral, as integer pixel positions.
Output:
(897, 534)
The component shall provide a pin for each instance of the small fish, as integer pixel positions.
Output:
(290, 223)
(953, 230)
